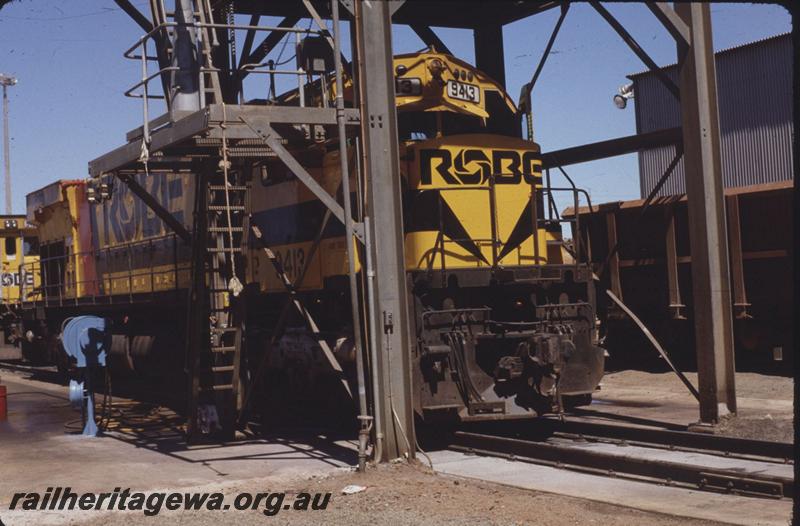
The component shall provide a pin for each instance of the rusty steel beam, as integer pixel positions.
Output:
(249, 38)
(637, 49)
(613, 257)
(655, 343)
(611, 148)
(774, 187)
(675, 302)
(135, 14)
(489, 56)
(266, 45)
(664, 177)
(740, 303)
(683, 260)
(547, 48)
(430, 38)
(671, 21)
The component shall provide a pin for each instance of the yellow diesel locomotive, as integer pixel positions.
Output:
(502, 310)
(503, 314)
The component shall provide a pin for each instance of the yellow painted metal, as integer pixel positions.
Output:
(105, 248)
(15, 263)
(146, 278)
(471, 203)
(431, 71)
(435, 70)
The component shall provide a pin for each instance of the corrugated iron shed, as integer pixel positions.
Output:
(754, 84)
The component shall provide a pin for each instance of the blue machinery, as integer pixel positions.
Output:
(86, 339)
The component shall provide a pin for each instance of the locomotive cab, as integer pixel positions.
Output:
(19, 251)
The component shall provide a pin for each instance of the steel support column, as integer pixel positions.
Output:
(186, 80)
(489, 56)
(707, 232)
(394, 422)
(6, 151)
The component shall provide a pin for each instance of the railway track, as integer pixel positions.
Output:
(673, 440)
(674, 458)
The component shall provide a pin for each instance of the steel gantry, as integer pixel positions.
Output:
(210, 129)
(698, 141)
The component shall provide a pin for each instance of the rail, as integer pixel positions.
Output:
(694, 471)
(124, 273)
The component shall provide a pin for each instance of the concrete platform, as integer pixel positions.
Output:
(10, 352)
(37, 451)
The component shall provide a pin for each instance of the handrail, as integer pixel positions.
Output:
(574, 219)
(148, 79)
(495, 242)
(138, 51)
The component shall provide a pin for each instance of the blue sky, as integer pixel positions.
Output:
(68, 107)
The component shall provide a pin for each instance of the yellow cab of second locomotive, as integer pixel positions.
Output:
(18, 255)
(60, 213)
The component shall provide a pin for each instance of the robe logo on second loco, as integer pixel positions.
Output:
(8, 279)
(128, 218)
(508, 166)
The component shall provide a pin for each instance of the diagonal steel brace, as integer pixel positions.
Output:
(312, 325)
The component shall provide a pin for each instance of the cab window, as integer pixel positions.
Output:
(11, 247)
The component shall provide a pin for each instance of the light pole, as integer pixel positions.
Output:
(6, 81)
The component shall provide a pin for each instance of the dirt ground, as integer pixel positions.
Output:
(765, 403)
(748, 385)
(761, 428)
(401, 494)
